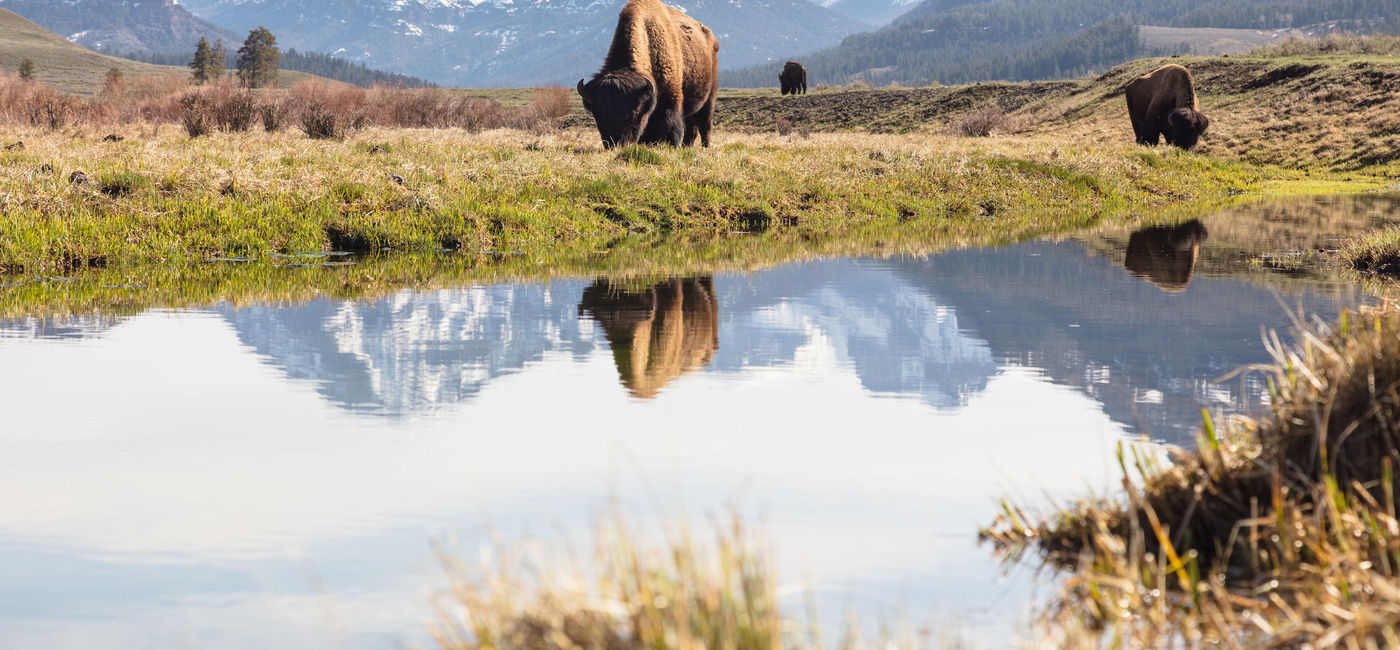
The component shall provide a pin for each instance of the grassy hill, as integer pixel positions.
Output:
(1027, 40)
(1334, 105)
(71, 68)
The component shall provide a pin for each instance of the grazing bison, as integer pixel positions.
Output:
(657, 333)
(659, 80)
(793, 78)
(1165, 255)
(1163, 103)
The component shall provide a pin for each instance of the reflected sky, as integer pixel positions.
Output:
(271, 476)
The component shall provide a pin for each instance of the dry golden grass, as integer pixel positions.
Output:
(1280, 533)
(686, 594)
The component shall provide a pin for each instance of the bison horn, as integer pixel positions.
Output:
(580, 87)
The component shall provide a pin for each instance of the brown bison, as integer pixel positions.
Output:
(1165, 255)
(657, 333)
(659, 80)
(1163, 103)
(793, 78)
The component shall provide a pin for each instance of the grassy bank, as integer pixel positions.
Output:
(159, 197)
(1277, 533)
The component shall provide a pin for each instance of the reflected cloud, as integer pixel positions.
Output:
(1165, 255)
(657, 333)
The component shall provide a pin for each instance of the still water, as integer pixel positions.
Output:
(273, 476)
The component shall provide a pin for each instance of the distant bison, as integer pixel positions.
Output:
(659, 80)
(793, 78)
(1163, 103)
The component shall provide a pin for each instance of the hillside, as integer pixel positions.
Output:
(71, 68)
(119, 25)
(1021, 40)
(1336, 110)
(512, 43)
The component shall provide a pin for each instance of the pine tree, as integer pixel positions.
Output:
(218, 61)
(199, 65)
(26, 70)
(258, 59)
(114, 86)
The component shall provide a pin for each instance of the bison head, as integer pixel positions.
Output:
(621, 103)
(1187, 125)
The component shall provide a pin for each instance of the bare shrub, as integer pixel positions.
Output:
(53, 111)
(196, 114)
(236, 109)
(274, 114)
(784, 125)
(542, 114)
(321, 123)
(979, 123)
(340, 99)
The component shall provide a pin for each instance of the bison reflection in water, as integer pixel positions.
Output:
(656, 333)
(1165, 255)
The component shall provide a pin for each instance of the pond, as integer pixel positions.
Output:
(275, 475)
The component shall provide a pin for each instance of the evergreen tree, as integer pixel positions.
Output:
(258, 59)
(218, 61)
(199, 65)
(114, 86)
(26, 70)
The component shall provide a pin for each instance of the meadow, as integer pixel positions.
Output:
(1276, 532)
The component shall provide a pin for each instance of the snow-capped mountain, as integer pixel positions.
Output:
(876, 13)
(514, 42)
(120, 25)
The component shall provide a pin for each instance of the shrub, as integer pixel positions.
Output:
(196, 115)
(236, 110)
(274, 115)
(53, 111)
(784, 125)
(979, 123)
(322, 123)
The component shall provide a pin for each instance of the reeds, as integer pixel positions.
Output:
(1280, 533)
(685, 593)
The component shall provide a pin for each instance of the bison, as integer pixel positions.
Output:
(659, 80)
(656, 333)
(1163, 103)
(793, 78)
(1165, 255)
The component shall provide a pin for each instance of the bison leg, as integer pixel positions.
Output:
(703, 120)
(1145, 132)
(665, 127)
(692, 129)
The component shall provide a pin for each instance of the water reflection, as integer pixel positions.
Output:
(874, 409)
(1165, 255)
(656, 333)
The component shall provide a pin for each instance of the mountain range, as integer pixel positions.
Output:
(515, 42)
(119, 26)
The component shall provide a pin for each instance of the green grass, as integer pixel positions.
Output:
(1377, 253)
(166, 199)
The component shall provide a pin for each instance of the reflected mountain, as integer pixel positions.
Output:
(936, 329)
(59, 329)
(657, 333)
(900, 339)
(1150, 357)
(1165, 255)
(416, 352)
